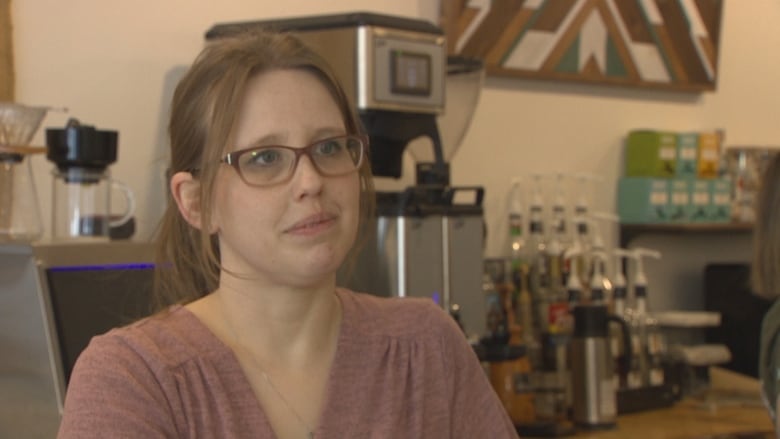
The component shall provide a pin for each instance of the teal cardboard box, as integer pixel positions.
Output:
(679, 201)
(651, 154)
(687, 155)
(699, 208)
(721, 200)
(643, 200)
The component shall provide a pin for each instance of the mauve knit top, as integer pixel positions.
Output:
(402, 369)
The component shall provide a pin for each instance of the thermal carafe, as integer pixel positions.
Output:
(592, 367)
(427, 242)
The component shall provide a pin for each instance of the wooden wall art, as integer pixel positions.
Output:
(6, 53)
(664, 44)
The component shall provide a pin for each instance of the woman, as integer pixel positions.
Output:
(766, 280)
(262, 343)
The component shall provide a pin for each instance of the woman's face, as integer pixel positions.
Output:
(297, 232)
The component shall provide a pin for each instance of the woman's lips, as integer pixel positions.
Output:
(312, 224)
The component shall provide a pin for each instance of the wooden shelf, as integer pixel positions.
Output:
(630, 231)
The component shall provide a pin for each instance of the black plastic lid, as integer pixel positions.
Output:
(321, 22)
(590, 321)
(459, 64)
(415, 201)
(10, 157)
(81, 146)
(425, 200)
(493, 353)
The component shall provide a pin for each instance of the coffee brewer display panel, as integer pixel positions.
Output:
(383, 62)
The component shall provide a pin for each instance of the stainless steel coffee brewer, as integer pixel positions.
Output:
(428, 238)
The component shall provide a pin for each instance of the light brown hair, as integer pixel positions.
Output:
(202, 125)
(765, 268)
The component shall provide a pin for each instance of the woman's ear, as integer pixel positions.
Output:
(186, 192)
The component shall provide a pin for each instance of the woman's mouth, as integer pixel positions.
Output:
(312, 225)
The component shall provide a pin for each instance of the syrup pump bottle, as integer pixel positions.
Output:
(581, 219)
(558, 219)
(559, 241)
(650, 339)
(517, 245)
(573, 283)
(525, 317)
(538, 281)
(517, 249)
(619, 295)
(646, 344)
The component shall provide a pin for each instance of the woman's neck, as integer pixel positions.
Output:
(277, 326)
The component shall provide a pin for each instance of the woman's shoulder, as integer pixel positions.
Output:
(165, 339)
(395, 316)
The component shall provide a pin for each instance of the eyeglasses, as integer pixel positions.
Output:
(269, 165)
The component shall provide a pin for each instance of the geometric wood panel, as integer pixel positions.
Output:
(6, 53)
(665, 44)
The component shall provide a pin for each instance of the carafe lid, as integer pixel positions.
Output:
(81, 146)
(590, 321)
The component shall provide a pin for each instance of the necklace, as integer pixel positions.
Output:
(309, 430)
(240, 346)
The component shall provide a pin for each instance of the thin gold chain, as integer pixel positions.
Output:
(309, 430)
(239, 345)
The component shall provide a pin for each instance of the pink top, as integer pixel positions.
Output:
(402, 369)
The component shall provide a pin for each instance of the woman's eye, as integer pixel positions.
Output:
(264, 157)
(329, 147)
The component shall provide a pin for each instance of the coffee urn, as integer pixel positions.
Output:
(426, 240)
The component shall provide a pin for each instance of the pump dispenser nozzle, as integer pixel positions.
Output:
(619, 284)
(536, 191)
(582, 202)
(598, 280)
(559, 207)
(573, 284)
(515, 196)
(597, 240)
(641, 279)
(619, 279)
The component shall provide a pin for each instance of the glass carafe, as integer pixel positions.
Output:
(82, 204)
(20, 218)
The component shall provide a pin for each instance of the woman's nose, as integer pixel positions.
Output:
(307, 177)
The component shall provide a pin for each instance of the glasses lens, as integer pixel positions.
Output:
(266, 165)
(337, 156)
(273, 164)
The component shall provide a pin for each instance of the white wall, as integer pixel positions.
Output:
(114, 64)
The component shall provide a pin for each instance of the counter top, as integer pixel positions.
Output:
(732, 405)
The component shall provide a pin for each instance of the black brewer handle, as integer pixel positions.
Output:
(479, 191)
